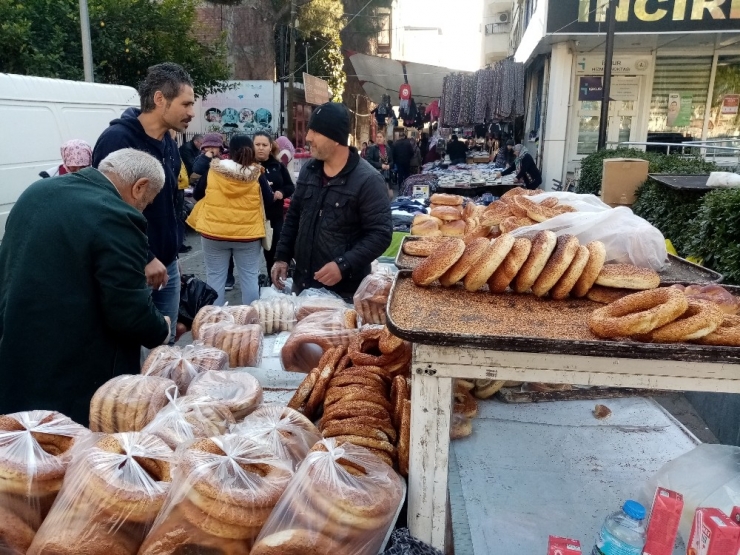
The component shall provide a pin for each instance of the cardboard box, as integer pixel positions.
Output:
(621, 178)
(664, 520)
(713, 533)
(563, 546)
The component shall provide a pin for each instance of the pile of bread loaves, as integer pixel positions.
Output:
(546, 264)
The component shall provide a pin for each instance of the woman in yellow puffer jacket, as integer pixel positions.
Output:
(231, 218)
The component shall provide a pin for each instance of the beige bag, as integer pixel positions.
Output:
(267, 239)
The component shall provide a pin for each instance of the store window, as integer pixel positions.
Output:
(724, 118)
(679, 97)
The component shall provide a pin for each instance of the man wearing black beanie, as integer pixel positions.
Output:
(339, 219)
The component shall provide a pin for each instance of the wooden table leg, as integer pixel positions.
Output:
(431, 410)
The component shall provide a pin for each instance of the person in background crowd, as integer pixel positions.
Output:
(504, 157)
(230, 219)
(403, 153)
(182, 183)
(286, 152)
(416, 159)
(339, 219)
(527, 171)
(433, 155)
(380, 157)
(456, 151)
(424, 145)
(190, 151)
(212, 146)
(76, 155)
(278, 177)
(87, 274)
(363, 152)
(167, 102)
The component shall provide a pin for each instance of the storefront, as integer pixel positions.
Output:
(675, 75)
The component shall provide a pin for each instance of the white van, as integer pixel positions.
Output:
(37, 115)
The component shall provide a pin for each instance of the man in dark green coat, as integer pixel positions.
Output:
(75, 307)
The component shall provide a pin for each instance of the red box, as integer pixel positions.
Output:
(713, 533)
(664, 520)
(563, 546)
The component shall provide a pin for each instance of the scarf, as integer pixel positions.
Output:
(76, 153)
(518, 159)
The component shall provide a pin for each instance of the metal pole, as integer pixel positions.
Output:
(611, 18)
(291, 70)
(307, 70)
(281, 75)
(87, 60)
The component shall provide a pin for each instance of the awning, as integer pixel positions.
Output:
(380, 76)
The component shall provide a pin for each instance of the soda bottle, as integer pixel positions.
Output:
(623, 532)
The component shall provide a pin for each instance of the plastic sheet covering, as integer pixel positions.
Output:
(223, 491)
(181, 365)
(243, 343)
(288, 433)
(210, 315)
(317, 300)
(341, 500)
(128, 402)
(315, 334)
(190, 417)
(113, 490)
(35, 450)
(372, 296)
(238, 390)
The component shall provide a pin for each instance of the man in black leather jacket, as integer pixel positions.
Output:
(339, 219)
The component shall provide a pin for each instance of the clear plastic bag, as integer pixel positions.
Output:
(317, 300)
(315, 334)
(210, 315)
(628, 238)
(243, 343)
(35, 451)
(372, 296)
(113, 490)
(243, 314)
(181, 365)
(189, 417)
(288, 433)
(127, 403)
(277, 313)
(341, 500)
(223, 490)
(238, 390)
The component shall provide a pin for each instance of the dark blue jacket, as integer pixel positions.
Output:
(127, 132)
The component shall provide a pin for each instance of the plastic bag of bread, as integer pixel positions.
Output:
(188, 417)
(243, 314)
(35, 451)
(181, 365)
(238, 390)
(243, 343)
(224, 488)
(210, 315)
(313, 335)
(128, 402)
(372, 296)
(342, 499)
(276, 313)
(289, 434)
(113, 490)
(317, 300)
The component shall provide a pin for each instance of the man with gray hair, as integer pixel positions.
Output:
(75, 307)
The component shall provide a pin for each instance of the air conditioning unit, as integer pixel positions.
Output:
(502, 17)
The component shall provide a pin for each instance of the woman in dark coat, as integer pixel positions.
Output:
(526, 169)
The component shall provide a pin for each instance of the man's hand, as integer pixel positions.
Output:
(278, 274)
(278, 195)
(329, 275)
(385, 167)
(156, 274)
(169, 330)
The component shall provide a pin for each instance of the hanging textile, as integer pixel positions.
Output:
(433, 109)
(404, 94)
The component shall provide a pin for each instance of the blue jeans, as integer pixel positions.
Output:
(167, 300)
(247, 258)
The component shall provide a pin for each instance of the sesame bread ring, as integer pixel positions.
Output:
(366, 442)
(209, 314)
(607, 295)
(596, 259)
(473, 252)
(422, 247)
(389, 343)
(638, 313)
(460, 426)
(212, 524)
(239, 391)
(455, 228)
(426, 229)
(489, 262)
(354, 393)
(16, 534)
(400, 391)
(436, 264)
(505, 274)
(496, 213)
(382, 373)
(335, 428)
(628, 276)
(549, 202)
(369, 380)
(566, 283)
(404, 438)
(516, 191)
(349, 425)
(448, 200)
(565, 251)
(487, 388)
(515, 222)
(727, 334)
(699, 320)
(478, 231)
(296, 542)
(341, 410)
(326, 373)
(465, 403)
(304, 390)
(447, 213)
(542, 246)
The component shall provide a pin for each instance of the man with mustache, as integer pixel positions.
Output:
(167, 103)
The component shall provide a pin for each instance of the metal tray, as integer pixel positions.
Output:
(438, 316)
(679, 270)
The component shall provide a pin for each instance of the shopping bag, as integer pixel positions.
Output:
(194, 295)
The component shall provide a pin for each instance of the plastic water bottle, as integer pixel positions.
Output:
(623, 532)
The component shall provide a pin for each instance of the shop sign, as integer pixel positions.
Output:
(590, 88)
(679, 109)
(572, 17)
(730, 104)
(621, 65)
(247, 107)
(316, 90)
(625, 92)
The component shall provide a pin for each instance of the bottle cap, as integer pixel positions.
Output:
(634, 509)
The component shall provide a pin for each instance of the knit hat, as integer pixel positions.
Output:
(285, 144)
(332, 121)
(212, 140)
